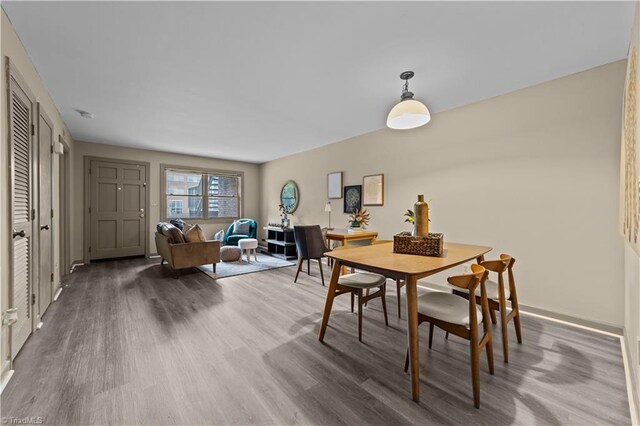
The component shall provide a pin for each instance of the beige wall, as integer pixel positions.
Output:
(632, 274)
(13, 48)
(82, 149)
(533, 173)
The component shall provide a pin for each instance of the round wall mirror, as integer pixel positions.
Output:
(289, 196)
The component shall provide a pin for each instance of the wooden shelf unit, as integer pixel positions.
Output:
(281, 243)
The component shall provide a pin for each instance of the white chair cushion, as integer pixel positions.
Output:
(362, 280)
(446, 307)
(492, 290)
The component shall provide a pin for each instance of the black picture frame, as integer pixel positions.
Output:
(352, 198)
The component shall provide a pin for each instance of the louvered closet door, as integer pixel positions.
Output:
(21, 155)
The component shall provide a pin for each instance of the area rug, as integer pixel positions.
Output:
(230, 269)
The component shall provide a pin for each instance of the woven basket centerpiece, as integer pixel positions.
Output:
(405, 243)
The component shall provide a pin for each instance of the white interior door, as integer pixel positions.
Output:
(44, 293)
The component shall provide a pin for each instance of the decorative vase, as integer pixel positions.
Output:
(285, 222)
(355, 224)
(421, 209)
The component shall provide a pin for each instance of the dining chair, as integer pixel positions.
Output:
(498, 294)
(310, 245)
(399, 283)
(461, 316)
(355, 283)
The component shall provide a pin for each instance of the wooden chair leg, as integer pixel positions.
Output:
(446, 336)
(384, 303)
(255, 255)
(161, 261)
(321, 273)
(214, 268)
(505, 334)
(406, 361)
(431, 335)
(487, 333)
(309, 267)
(489, 348)
(353, 297)
(516, 320)
(492, 313)
(399, 299)
(475, 373)
(299, 268)
(360, 314)
(366, 294)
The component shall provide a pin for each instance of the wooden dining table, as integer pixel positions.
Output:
(381, 259)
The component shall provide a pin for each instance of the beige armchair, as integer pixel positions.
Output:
(187, 255)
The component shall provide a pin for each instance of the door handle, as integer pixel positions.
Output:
(44, 227)
(141, 214)
(18, 234)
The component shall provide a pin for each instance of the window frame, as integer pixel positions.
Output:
(164, 168)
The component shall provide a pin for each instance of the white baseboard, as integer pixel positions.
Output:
(5, 379)
(75, 264)
(55, 298)
(632, 390)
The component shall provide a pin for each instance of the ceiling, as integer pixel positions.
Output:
(258, 81)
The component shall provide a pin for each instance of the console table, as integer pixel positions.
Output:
(281, 243)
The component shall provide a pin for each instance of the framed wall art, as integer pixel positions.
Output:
(334, 185)
(352, 198)
(373, 190)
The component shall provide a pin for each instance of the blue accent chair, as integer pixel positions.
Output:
(232, 239)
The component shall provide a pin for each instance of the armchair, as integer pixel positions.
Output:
(232, 239)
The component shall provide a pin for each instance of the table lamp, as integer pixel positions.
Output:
(327, 208)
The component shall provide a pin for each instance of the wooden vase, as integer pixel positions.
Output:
(421, 211)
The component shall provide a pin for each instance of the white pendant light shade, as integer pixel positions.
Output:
(408, 114)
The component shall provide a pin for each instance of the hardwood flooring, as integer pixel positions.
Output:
(128, 344)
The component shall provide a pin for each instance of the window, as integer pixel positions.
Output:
(175, 208)
(197, 194)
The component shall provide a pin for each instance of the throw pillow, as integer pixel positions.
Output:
(242, 228)
(173, 234)
(186, 227)
(195, 234)
(219, 236)
(178, 223)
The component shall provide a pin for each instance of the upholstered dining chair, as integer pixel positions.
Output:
(461, 316)
(310, 244)
(399, 283)
(358, 282)
(498, 294)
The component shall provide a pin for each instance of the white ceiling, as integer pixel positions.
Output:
(258, 81)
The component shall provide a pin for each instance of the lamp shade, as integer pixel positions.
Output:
(327, 207)
(408, 114)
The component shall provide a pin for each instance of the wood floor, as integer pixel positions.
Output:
(128, 344)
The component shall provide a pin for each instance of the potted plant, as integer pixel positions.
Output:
(359, 219)
(284, 211)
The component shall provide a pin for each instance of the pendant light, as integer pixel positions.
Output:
(408, 113)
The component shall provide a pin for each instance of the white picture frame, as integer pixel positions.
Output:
(334, 185)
